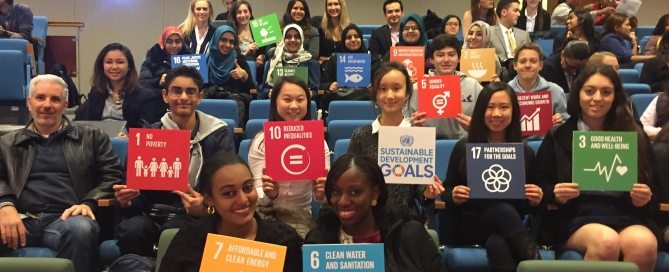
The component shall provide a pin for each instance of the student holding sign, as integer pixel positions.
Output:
(391, 90)
(297, 12)
(229, 74)
(357, 194)
(444, 52)
(197, 27)
(290, 102)
(496, 223)
(604, 224)
(478, 36)
(227, 186)
(291, 53)
(335, 19)
(138, 232)
(239, 17)
(412, 33)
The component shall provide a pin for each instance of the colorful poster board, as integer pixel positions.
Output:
(266, 30)
(300, 72)
(439, 96)
(343, 257)
(412, 57)
(496, 171)
(158, 159)
(407, 154)
(604, 160)
(354, 69)
(198, 61)
(536, 112)
(225, 253)
(294, 150)
(479, 63)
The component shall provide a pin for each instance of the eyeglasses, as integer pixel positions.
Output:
(178, 92)
(411, 28)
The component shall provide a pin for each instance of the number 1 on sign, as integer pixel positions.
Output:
(476, 152)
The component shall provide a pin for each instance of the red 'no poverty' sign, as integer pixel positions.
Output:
(158, 159)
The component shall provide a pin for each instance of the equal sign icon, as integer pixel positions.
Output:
(295, 159)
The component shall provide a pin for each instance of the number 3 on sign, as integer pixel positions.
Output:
(581, 141)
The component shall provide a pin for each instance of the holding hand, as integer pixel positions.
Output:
(463, 120)
(418, 119)
(162, 80)
(238, 73)
(192, 201)
(556, 119)
(460, 194)
(566, 191)
(640, 194)
(124, 195)
(434, 190)
(319, 189)
(12, 230)
(534, 194)
(333, 86)
(270, 187)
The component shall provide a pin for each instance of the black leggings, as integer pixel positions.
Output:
(498, 223)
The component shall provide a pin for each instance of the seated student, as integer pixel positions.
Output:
(357, 194)
(450, 25)
(297, 12)
(534, 19)
(480, 10)
(158, 61)
(604, 57)
(562, 67)
(197, 27)
(335, 19)
(228, 6)
(656, 114)
(412, 34)
(655, 72)
(351, 43)
(504, 36)
(239, 17)
(444, 52)
(137, 232)
(617, 30)
(290, 101)
(391, 91)
(497, 224)
(602, 225)
(528, 61)
(16, 21)
(227, 185)
(290, 53)
(116, 93)
(579, 27)
(389, 34)
(52, 174)
(229, 73)
(478, 36)
(661, 176)
(655, 37)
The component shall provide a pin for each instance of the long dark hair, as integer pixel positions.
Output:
(99, 80)
(214, 162)
(385, 68)
(232, 14)
(305, 24)
(586, 25)
(490, 16)
(344, 32)
(276, 91)
(613, 21)
(661, 25)
(478, 131)
(366, 166)
(539, 20)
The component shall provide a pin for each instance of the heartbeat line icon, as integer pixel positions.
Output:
(608, 171)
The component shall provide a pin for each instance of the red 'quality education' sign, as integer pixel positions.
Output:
(158, 159)
(294, 150)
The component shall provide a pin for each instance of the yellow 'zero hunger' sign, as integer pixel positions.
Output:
(225, 253)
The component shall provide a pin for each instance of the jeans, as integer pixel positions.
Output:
(75, 238)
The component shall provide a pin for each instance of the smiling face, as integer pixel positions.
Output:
(352, 40)
(227, 43)
(173, 45)
(351, 200)
(596, 98)
(233, 195)
(201, 11)
(291, 103)
(243, 14)
(486, 4)
(182, 96)
(115, 66)
(498, 114)
(333, 8)
(528, 64)
(475, 37)
(572, 22)
(532, 3)
(411, 32)
(392, 93)
(46, 105)
(393, 13)
(445, 60)
(292, 41)
(452, 26)
(297, 12)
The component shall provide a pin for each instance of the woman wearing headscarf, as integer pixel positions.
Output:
(412, 33)
(290, 52)
(478, 36)
(229, 74)
(351, 43)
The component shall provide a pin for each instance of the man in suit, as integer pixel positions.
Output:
(562, 68)
(387, 35)
(508, 12)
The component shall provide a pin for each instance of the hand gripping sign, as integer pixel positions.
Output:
(439, 96)
(407, 154)
(496, 171)
(604, 160)
(294, 150)
(158, 159)
(225, 253)
(198, 61)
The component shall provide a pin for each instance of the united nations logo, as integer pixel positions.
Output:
(406, 140)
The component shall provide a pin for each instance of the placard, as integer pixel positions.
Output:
(225, 253)
(479, 63)
(536, 112)
(354, 69)
(439, 96)
(407, 154)
(198, 61)
(300, 72)
(412, 57)
(343, 257)
(266, 30)
(496, 171)
(604, 160)
(158, 159)
(294, 150)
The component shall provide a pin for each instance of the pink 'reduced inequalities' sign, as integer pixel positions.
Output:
(294, 150)
(439, 96)
(158, 159)
(536, 112)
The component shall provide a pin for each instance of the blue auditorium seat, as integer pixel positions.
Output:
(40, 27)
(640, 102)
(244, 147)
(340, 148)
(220, 108)
(629, 75)
(342, 129)
(636, 88)
(351, 110)
(259, 109)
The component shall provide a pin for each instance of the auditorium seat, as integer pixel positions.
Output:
(640, 102)
(40, 27)
(636, 88)
(342, 129)
(351, 110)
(629, 75)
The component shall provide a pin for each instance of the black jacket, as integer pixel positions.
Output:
(407, 246)
(185, 251)
(656, 74)
(93, 165)
(553, 72)
(541, 23)
(190, 41)
(380, 42)
(139, 107)
(156, 64)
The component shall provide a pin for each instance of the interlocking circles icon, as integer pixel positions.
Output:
(496, 179)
